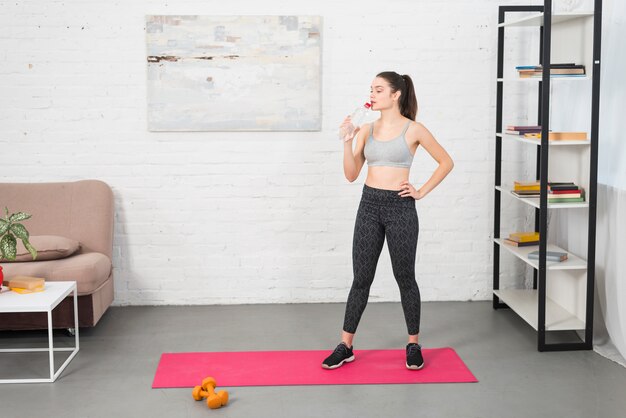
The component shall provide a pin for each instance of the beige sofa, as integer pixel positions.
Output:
(82, 211)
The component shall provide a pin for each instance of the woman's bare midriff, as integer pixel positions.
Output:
(388, 178)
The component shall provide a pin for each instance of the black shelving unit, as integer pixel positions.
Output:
(537, 297)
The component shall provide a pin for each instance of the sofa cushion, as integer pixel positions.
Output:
(93, 269)
(49, 247)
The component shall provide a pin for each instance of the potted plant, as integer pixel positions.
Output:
(10, 231)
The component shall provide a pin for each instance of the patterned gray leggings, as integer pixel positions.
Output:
(383, 213)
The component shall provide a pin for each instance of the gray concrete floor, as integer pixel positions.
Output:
(113, 372)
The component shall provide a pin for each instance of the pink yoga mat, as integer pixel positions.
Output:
(281, 368)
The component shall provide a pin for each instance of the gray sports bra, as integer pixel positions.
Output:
(393, 153)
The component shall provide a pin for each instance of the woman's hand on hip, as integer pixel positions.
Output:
(407, 190)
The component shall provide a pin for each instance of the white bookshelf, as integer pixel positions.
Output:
(561, 293)
(524, 303)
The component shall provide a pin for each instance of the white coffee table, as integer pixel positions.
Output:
(46, 301)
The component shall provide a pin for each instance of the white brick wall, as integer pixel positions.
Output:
(223, 217)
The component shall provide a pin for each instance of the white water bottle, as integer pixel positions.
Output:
(357, 118)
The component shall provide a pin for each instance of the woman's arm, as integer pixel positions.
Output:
(439, 154)
(353, 160)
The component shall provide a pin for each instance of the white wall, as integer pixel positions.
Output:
(228, 217)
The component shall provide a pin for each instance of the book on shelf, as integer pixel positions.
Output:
(527, 127)
(568, 70)
(556, 70)
(566, 65)
(524, 236)
(521, 130)
(564, 187)
(531, 183)
(566, 200)
(526, 188)
(567, 75)
(526, 185)
(539, 74)
(558, 192)
(552, 65)
(559, 136)
(552, 196)
(525, 193)
(566, 191)
(550, 255)
(555, 185)
(520, 244)
(553, 71)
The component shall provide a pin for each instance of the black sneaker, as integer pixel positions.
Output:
(342, 354)
(414, 359)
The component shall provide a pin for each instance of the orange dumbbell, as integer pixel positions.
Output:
(207, 390)
(198, 393)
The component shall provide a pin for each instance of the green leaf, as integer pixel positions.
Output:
(20, 231)
(19, 216)
(4, 226)
(8, 244)
(30, 248)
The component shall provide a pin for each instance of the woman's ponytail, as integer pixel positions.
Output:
(409, 104)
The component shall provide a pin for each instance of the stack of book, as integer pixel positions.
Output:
(557, 192)
(522, 130)
(25, 284)
(565, 193)
(526, 188)
(550, 255)
(568, 69)
(522, 239)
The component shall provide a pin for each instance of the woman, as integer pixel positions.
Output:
(387, 207)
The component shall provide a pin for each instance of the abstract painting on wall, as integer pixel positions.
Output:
(234, 73)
